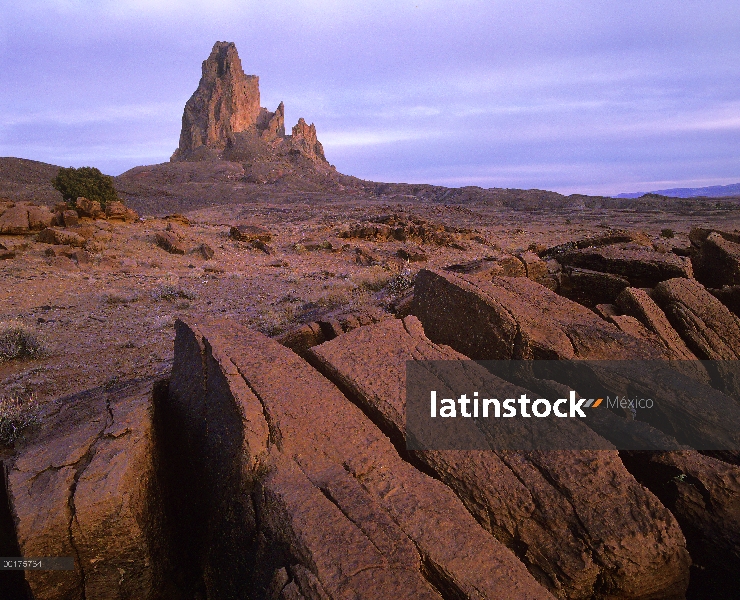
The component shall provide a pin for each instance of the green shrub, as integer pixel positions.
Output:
(667, 233)
(86, 182)
(17, 341)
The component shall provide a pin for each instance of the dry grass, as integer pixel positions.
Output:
(18, 341)
(17, 415)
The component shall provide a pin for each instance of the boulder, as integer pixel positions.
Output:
(70, 218)
(590, 287)
(335, 499)
(14, 221)
(540, 504)
(707, 326)
(204, 251)
(641, 266)
(170, 242)
(718, 262)
(89, 209)
(39, 217)
(117, 211)
(411, 254)
(499, 264)
(83, 486)
(7, 254)
(514, 317)
(249, 232)
(638, 303)
(365, 257)
(51, 235)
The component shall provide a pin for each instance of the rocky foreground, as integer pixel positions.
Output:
(277, 467)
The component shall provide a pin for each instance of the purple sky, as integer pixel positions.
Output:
(583, 96)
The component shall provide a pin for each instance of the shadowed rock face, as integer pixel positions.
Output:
(335, 507)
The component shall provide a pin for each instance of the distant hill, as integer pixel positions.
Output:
(713, 191)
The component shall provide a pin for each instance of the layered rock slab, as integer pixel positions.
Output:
(707, 326)
(516, 318)
(85, 487)
(641, 266)
(358, 469)
(565, 514)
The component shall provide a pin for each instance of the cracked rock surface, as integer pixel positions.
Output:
(81, 488)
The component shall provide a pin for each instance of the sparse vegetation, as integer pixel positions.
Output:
(17, 415)
(401, 282)
(118, 297)
(87, 182)
(667, 233)
(169, 291)
(18, 341)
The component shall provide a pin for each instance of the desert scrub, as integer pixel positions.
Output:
(18, 341)
(667, 233)
(17, 415)
(169, 291)
(373, 279)
(401, 282)
(118, 297)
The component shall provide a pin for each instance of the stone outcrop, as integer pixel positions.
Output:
(498, 264)
(616, 236)
(589, 287)
(710, 330)
(402, 228)
(305, 336)
(53, 235)
(335, 508)
(304, 141)
(718, 261)
(638, 304)
(22, 219)
(729, 296)
(707, 326)
(537, 503)
(84, 487)
(226, 102)
(117, 211)
(703, 493)
(223, 120)
(514, 317)
(641, 266)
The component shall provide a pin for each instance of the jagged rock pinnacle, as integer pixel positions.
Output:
(223, 118)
